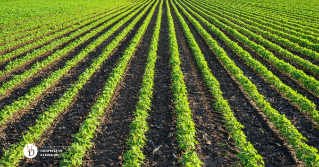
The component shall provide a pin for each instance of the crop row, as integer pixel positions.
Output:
(184, 123)
(248, 154)
(271, 18)
(4, 25)
(48, 27)
(49, 38)
(304, 63)
(15, 153)
(35, 92)
(308, 82)
(198, 14)
(136, 141)
(49, 47)
(38, 52)
(37, 24)
(300, 101)
(55, 25)
(82, 139)
(304, 152)
(291, 11)
(30, 25)
(59, 31)
(280, 16)
(274, 24)
(273, 37)
(297, 39)
(17, 79)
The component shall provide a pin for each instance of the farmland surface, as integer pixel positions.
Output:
(159, 82)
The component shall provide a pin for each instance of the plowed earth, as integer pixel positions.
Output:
(215, 145)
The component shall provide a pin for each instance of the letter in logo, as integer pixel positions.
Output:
(30, 151)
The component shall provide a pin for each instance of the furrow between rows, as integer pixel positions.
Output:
(47, 117)
(304, 152)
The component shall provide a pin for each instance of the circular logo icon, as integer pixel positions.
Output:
(30, 151)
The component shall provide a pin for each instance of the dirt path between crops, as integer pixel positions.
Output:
(212, 135)
(70, 120)
(24, 87)
(29, 64)
(282, 46)
(12, 129)
(296, 85)
(257, 130)
(281, 57)
(28, 116)
(304, 124)
(109, 143)
(161, 120)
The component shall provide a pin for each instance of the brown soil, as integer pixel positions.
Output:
(109, 143)
(36, 79)
(215, 146)
(297, 66)
(303, 123)
(212, 135)
(29, 115)
(291, 82)
(316, 62)
(258, 131)
(42, 57)
(161, 120)
(312, 60)
(281, 57)
(70, 120)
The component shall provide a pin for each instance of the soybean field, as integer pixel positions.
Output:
(163, 83)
